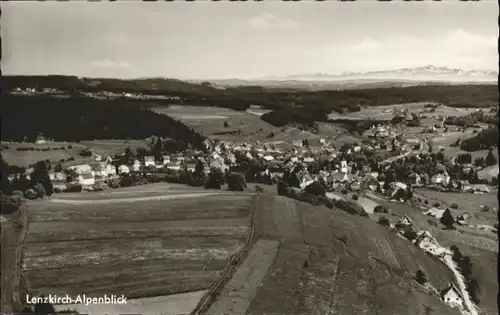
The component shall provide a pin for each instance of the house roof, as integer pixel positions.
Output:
(451, 288)
(87, 176)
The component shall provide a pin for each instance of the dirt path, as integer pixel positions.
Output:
(136, 199)
(11, 263)
(243, 286)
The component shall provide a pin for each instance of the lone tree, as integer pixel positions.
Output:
(447, 219)
(490, 158)
(420, 277)
(215, 179)
(226, 125)
(383, 221)
(41, 175)
(236, 181)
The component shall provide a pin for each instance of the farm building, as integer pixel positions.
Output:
(462, 219)
(435, 212)
(149, 161)
(441, 178)
(104, 170)
(429, 244)
(479, 188)
(86, 179)
(452, 296)
(308, 160)
(406, 221)
(81, 169)
(136, 166)
(123, 169)
(57, 176)
(166, 159)
(297, 143)
(340, 177)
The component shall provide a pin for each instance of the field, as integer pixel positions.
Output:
(324, 263)
(71, 149)
(445, 140)
(209, 121)
(386, 112)
(10, 236)
(122, 245)
(25, 158)
(175, 304)
(488, 172)
(111, 147)
(467, 203)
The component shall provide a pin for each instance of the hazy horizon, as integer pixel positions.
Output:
(221, 40)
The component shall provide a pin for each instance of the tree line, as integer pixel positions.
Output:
(24, 118)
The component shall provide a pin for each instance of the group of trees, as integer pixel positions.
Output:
(88, 119)
(485, 139)
(38, 186)
(465, 266)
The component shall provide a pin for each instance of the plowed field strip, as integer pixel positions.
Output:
(243, 286)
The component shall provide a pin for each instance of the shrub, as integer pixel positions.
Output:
(18, 193)
(447, 219)
(426, 202)
(114, 183)
(344, 192)
(420, 277)
(485, 208)
(354, 197)
(383, 221)
(436, 204)
(315, 189)
(30, 194)
(378, 209)
(215, 179)
(410, 234)
(283, 188)
(86, 153)
(259, 189)
(350, 207)
(454, 206)
(39, 190)
(236, 182)
(74, 188)
(11, 204)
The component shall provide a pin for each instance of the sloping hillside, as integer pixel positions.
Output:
(324, 261)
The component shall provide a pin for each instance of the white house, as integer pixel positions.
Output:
(268, 158)
(86, 179)
(462, 219)
(406, 221)
(343, 166)
(81, 169)
(166, 159)
(297, 143)
(123, 169)
(452, 296)
(357, 148)
(136, 166)
(308, 160)
(441, 178)
(306, 180)
(149, 161)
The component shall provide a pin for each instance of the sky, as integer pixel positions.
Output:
(217, 40)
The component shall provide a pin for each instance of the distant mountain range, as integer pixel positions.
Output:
(419, 73)
(372, 79)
